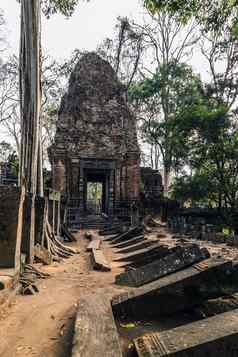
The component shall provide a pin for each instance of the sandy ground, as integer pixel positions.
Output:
(42, 325)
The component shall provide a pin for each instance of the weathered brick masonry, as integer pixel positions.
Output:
(96, 136)
(10, 198)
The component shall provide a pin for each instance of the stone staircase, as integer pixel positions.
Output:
(93, 222)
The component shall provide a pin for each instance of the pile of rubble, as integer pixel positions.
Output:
(161, 281)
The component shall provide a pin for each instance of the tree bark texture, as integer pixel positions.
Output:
(30, 104)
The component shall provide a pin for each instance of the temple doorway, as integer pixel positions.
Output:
(96, 192)
(94, 197)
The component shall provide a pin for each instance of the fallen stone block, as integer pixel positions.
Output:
(180, 259)
(94, 244)
(99, 261)
(217, 306)
(110, 231)
(110, 237)
(95, 333)
(112, 227)
(131, 233)
(175, 292)
(140, 253)
(215, 336)
(135, 247)
(149, 258)
(129, 242)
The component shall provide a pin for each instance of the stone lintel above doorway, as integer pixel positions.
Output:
(97, 164)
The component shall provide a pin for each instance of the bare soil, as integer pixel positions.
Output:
(41, 325)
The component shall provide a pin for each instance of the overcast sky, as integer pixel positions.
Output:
(90, 24)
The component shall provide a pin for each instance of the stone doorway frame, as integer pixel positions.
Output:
(100, 176)
(105, 169)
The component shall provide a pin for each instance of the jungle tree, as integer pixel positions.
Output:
(31, 174)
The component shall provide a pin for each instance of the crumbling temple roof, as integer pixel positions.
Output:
(94, 119)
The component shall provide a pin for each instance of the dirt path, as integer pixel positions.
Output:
(42, 325)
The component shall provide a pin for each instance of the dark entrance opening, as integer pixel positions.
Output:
(96, 192)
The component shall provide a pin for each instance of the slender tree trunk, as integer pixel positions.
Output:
(40, 183)
(30, 101)
(166, 181)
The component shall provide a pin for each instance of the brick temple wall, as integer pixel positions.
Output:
(95, 122)
(9, 208)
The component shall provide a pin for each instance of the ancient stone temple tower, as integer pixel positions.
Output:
(96, 137)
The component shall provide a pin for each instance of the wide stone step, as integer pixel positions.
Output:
(180, 259)
(215, 336)
(174, 292)
(99, 261)
(95, 332)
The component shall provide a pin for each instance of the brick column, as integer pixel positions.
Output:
(133, 176)
(81, 188)
(111, 193)
(59, 175)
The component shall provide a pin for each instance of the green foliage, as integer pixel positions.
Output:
(5, 150)
(13, 161)
(198, 189)
(170, 96)
(9, 156)
(213, 156)
(212, 14)
(185, 9)
(65, 7)
(94, 191)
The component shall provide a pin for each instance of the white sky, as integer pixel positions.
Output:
(90, 24)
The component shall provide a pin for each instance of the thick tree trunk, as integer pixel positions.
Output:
(30, 99)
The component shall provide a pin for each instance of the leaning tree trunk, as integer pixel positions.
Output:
(30, 99)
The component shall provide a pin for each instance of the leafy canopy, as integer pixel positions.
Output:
(214, 14)
(65, 7)
(166, 99)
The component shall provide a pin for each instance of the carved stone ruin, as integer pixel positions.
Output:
(95, 138)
